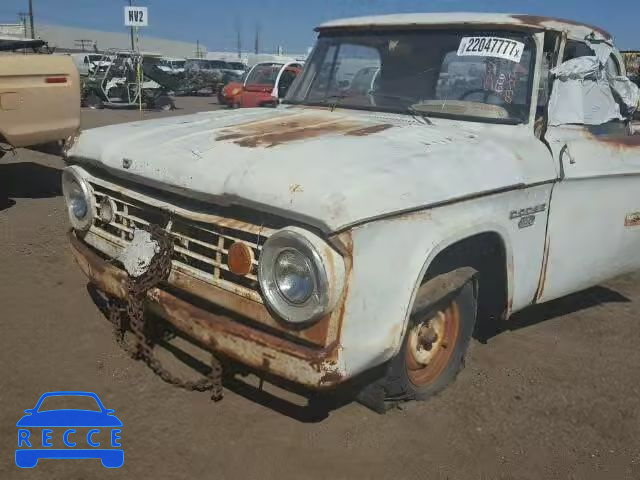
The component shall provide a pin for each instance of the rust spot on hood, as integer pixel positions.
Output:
(363, 132)
(274, 132)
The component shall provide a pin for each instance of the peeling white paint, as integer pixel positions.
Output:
(137, 256)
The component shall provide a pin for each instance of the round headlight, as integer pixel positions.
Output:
(79, 199)
(293, 274)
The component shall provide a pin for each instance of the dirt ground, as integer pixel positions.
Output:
(556, 395)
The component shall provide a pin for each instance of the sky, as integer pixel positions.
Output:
(290, 23)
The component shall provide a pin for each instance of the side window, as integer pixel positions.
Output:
(613, 68)
(586, 100)
(574, 49)
(286, 79)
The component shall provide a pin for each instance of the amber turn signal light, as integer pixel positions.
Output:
(240, 259)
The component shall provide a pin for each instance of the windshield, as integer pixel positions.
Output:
(96, 58)
(264, 74)
(236, 66)
(474, 74)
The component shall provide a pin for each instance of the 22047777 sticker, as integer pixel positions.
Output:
(495, 47)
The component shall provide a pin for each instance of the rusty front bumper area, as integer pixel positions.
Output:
(313, 368)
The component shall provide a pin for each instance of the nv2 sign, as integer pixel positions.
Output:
(136, 16)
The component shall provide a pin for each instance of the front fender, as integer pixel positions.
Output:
(391, 257)
(390, 260)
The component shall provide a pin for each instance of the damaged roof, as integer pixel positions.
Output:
(574, 29)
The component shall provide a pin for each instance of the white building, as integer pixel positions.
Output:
(251, 59)
(69, 39)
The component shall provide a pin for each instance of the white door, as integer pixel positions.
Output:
(594, 219)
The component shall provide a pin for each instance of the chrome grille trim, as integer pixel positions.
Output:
(202, 242)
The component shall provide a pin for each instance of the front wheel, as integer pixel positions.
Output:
(93, 102)
(164, 103)
(432, 353)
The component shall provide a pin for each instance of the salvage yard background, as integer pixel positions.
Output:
(557, 395)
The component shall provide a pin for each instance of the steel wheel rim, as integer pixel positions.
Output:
(425, 365)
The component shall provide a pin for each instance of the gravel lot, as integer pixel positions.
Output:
(556, 395)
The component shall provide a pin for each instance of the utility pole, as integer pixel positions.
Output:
(133, 46)
(257, 42)
(199, 52)
(239, 38)
(23, 20)
(33, 30)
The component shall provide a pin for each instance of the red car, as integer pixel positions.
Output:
(264, 85)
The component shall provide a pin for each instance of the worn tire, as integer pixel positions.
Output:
(93, 102)
(399, 382)
(163, 103)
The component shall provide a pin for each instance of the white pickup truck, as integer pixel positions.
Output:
(357, 238)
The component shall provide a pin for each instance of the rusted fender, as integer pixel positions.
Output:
(442, 289)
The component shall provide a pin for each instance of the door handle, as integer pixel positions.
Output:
(565, 151)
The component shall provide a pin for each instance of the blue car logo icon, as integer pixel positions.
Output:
(99, 429)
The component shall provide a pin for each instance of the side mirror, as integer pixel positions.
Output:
(109, 411)
(29, 410)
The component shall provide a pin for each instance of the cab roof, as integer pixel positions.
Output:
(575, 30)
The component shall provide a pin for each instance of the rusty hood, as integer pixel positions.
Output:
(331, 169)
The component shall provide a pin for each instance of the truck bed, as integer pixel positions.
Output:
(39, 98)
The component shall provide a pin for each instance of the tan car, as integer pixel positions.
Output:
(39, 98)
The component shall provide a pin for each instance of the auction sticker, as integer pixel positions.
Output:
(495, 47)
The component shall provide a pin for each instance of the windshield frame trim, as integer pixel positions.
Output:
(526, 34)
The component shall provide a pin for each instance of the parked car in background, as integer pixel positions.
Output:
(238, 68)
(172, 65)
(632, 65)
(263, 86)
(214, 69)
(91, 63)
(39, 95)
(124, 85)
(356, 242)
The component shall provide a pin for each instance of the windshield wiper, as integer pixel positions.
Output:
(336, 100)
(414, 111)
(410, 109)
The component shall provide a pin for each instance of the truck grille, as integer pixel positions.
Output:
(200, 248)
